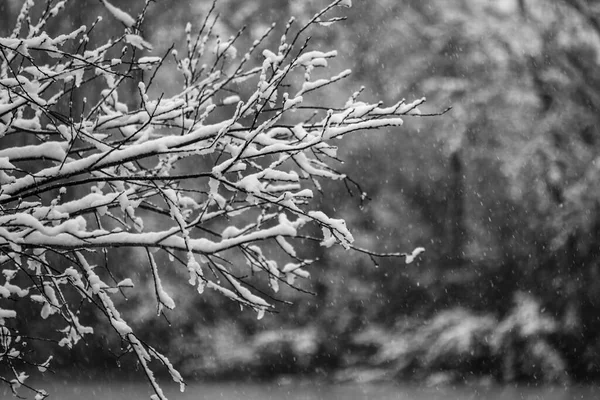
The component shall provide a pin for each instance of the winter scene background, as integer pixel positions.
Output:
(300, 199)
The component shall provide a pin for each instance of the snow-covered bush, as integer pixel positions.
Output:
(77, 183)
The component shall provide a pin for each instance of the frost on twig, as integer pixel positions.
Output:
(100, 179)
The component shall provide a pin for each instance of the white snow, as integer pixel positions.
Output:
(127, 282)
(121, 326)
(163, 297)
(415, 253)
(226, 49)
(119, 14)
(7, 314)
(138, 41)
(231, 100)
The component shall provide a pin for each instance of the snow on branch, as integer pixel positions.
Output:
(116, 172)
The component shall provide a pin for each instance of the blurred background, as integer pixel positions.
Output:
(502, 191)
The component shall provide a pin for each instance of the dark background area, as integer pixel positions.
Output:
(502, 191)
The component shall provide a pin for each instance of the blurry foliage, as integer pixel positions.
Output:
(503, 192)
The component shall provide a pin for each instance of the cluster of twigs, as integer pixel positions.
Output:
(93, 180)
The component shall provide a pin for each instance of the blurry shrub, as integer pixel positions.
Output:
(521, 343)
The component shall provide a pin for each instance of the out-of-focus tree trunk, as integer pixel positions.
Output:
(455, 213)
(5, 18)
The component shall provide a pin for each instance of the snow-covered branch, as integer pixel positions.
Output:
(72, 182)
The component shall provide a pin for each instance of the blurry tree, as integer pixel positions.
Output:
(503, 190)
(506, 186)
